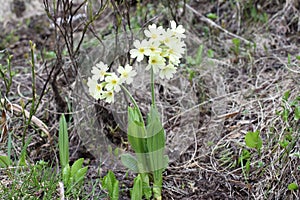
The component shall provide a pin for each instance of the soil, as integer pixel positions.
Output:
(248, 61)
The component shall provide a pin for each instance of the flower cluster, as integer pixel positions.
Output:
(163, 48)
(110, 82)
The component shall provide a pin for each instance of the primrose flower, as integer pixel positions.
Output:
(175, 51)
(167, 37)
(154, 33)
(108, 96)
(156, 61)
(112, 83)
(126, 74)
(167, 71)
(153, 48)
(95, 89)
(177, 31)
(99, 71)
(140, 50)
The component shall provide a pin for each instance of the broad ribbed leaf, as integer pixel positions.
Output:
(130, 162)
(80, 174)
(77, 165)
(137, 191)
(155, 140)
(136, 131)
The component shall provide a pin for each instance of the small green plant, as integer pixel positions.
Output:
(73, 176)
(210, 53)
(63, 141)
(111, 184)
(198, 59)
(236, 46)
(29, 182)
(253, 13)
(293, 186)
(252, 140)
(137, 190)
(290, 115)
(245, 161)
(4, 161)
(212, 16)
(163, 50)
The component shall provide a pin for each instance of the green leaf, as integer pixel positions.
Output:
(212, 16)
(66, 175)
(49, 55)
(210, 53)
(156, 140)
(248, 166)
(284, 143)
(77, 165)
(136, 131)
(289, 59)
(22, 160)
(63, 141)
(115, 192)
(297, 113)
(198, 58)
(4, 161)
(253, 140)
(130, 162)
(286, 95)
(293, 186)
(80, 174)
(236, 42)
(245, 156)
(147, 190)
(137, 190)
(285, 114)
(110, 183)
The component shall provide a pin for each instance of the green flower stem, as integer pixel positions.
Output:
(134, 102)
(33, 87)
(152, 87)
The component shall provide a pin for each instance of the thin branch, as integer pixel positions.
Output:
(213, 24)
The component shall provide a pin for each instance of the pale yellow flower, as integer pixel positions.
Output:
(139, 51)
(154, 32)
(108, 96)
(167, 71)
(99, 71)
(95, 89)
(126, 74)
(112, 82)
(155, 62)
(178, 31)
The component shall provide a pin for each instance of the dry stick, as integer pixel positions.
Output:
(17, 108)
(213, 24)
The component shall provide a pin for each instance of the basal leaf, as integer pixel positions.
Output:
(63, 141)
(137, 190)
(130, 162)
(80, 174)
(4, 161)
(253, 140)
(77, 165)
(136, 131)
